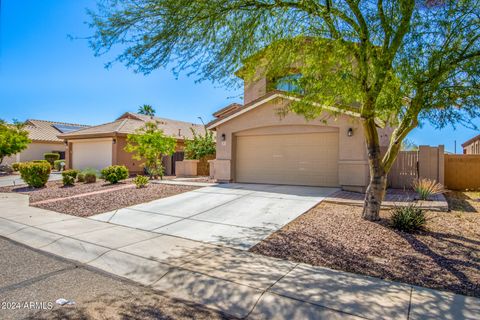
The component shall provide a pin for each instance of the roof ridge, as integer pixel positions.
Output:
(122, 124)
(59, 122)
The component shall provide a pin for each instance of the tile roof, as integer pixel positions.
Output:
(130, 122)
(469, 141)
(43, 130)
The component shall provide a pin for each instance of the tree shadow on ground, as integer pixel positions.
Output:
(459, 201)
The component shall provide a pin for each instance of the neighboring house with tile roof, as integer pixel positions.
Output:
(472, 146)
(103, 145)
(43, 135)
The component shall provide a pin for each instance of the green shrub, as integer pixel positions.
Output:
(141, 181)
(80, 177)
(16, 166)
(57, 164)
(35, 174)
(68, 180)
(426, 188)
(114, 174)
(40, 161)
(69, 176)
(408, 219)
(51, 157)
(90, 177)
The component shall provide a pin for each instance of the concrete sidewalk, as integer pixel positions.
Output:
(236, 282)
(15, 180)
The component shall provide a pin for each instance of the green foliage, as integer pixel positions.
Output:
(114, 174)
(147, 110)
(140, 181)
(90, 177)
(40, 161)
(427, 187)
(16, 166)
(13, 139)
(68, 181)
(408, 219)
(35, 174)
(200, 146)
(80, 177)
(71, 173)
(69, 176)
(151, 144)
(51, 157)
(57, 164)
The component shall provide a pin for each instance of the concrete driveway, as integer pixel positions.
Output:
(234, 215)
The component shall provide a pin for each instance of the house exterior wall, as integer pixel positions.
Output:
(472, 148)
(352, 163)
(254, 90)
(35, 151)
(122, 157)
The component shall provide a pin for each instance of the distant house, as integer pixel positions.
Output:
(472, 146)
(103, 145)
(44, 138)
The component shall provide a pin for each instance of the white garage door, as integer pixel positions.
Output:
(92, 154)
(297, 159)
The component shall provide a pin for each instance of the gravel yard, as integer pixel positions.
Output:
(115, 199)
(445, 256)
(116, 196)
(55, 189)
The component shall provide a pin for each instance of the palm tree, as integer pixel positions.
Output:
(147, 110)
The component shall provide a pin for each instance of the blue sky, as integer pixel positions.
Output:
(45, 75)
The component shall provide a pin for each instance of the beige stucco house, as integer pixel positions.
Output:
(257, 145)
(472, 146)
(43, 135)
(103, 145)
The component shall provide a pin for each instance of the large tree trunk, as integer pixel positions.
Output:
(378, 176)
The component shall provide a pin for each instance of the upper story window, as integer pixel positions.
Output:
(290, 83)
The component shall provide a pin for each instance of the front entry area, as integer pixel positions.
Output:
(309, 159)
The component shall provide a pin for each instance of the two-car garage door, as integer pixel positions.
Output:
(297, 159)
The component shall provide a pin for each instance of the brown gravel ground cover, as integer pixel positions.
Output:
(116, 199)
(55, 189)
(446, 255)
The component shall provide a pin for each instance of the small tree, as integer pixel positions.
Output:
(147, 110)
(13, 139)
(201, 146)
(150, 144)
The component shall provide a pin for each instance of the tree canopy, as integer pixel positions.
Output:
(13, 139)
(401, 61)
(200, 146)
(147, 110)
(150, 144)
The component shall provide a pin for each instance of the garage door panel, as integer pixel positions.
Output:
(92, 154)
(301, 159)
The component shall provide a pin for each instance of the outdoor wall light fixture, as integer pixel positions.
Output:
(350, 132)
(114, 141)
(224, 137)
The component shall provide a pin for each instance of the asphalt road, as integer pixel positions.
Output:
(31, 282)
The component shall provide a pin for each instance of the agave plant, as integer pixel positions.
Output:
(427, 187)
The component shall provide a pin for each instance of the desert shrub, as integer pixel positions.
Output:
(16, 166)
(51, 157)
(35, 174)
(140, 181)
(57, 164)
(114, 174)
(426, 188)
(80, 177)
(408, 219)
(69, 176)
(90, 177)
(40, 161)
